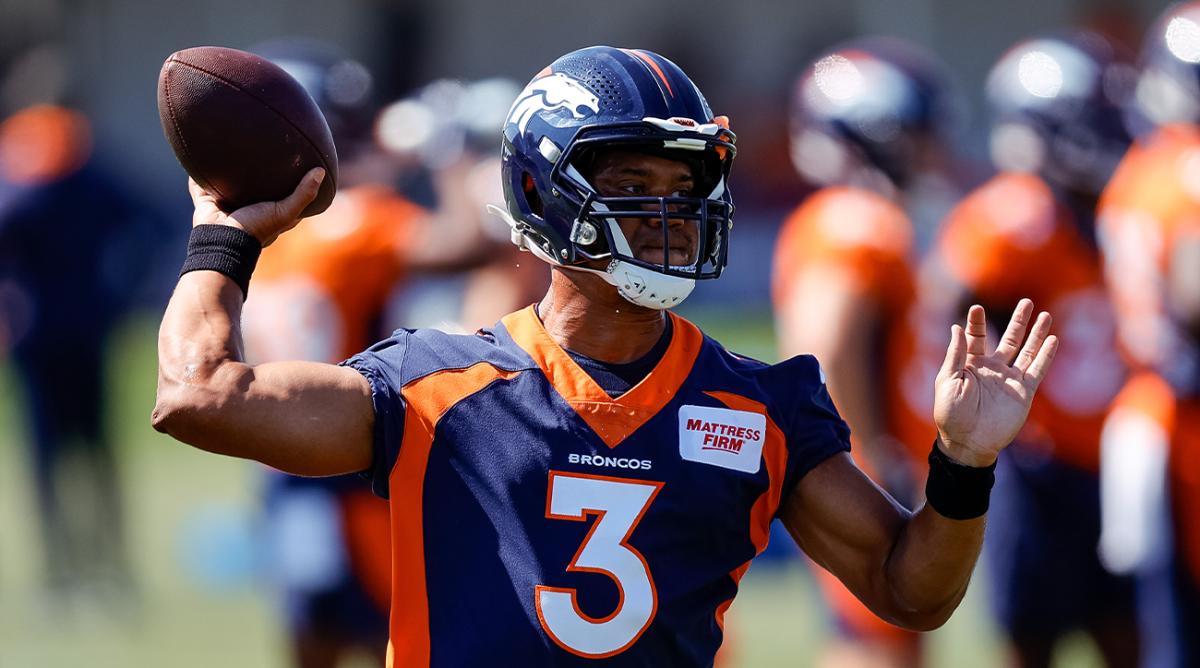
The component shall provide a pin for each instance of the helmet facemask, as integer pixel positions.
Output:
(701, 218)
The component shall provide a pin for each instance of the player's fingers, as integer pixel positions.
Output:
(306, 191)
(976, 331)
(1010, 343)
(198, 193)
(1041, 363)
(956, 352)
(1033, 345)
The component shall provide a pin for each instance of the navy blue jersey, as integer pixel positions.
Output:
(537, 521)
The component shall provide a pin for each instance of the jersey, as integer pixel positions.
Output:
(540, 522)
(1010, 239)
(318, 294)
(330, 277)
(1152, 199)
(1148, 400)
(865, 239)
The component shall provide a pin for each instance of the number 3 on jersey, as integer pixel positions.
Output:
(619, 505)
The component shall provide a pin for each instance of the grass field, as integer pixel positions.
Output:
(200, 602)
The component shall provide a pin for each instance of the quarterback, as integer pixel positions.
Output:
(590, 478)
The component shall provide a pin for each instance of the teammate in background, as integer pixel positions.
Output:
(72, 249)
(450, 122)
(319, 295)
(1056, 136)
(591, 477)
(867, 118)
(1148, 219)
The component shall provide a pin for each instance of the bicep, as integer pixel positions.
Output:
(304, 418)
(847, 524)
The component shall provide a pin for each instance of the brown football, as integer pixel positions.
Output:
(244, 129)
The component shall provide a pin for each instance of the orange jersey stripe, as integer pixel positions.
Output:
(428, 398)
(765, 506)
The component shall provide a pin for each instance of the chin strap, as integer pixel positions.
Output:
(642, 286)
(637, 285)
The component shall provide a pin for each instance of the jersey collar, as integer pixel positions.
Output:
(612, 419)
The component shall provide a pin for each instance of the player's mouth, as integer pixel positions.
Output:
(678, 256)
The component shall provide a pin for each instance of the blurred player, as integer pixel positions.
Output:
(1057, 134)
(72, 249)
(319, 295)
(866, 119)
(591, 477)
(448, 123)
(1149, 221)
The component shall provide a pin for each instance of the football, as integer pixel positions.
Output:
(244, 129)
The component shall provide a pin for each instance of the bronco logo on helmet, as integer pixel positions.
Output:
(557, 91)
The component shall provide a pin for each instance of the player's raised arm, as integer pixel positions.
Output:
(300, 417)
(913, 568)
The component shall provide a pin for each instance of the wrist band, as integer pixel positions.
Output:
(224, 249)
(958, 491)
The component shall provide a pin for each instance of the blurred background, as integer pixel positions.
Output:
(122, 547)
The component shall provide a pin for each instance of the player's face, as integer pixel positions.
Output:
(621, 173)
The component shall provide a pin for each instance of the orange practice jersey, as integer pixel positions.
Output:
(861, 236)
(1010, 239)
(1152, 199)
(320, 287)
(316, 293)
(1149, 397)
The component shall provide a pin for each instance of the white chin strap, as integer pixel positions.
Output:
(643, 287)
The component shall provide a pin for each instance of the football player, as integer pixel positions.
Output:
(72, 247)
(866, 118)
(1148, 227)
(1056, 136)
(320, 295)
(591, 477)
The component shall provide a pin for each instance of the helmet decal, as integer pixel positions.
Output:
(551, 93)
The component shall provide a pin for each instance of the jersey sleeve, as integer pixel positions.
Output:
(812, 426)
(382, 366)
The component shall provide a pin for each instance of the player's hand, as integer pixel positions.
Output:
(265, 220)
(981, 399)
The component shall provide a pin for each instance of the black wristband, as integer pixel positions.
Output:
(958, 491)
(224, 249)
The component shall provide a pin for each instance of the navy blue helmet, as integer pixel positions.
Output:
(869, 102)
(603, 98)
(1058, 109)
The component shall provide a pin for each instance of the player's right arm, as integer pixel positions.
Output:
(300, 417)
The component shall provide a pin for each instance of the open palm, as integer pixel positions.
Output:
(981, 399)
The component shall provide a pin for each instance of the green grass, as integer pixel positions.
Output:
(776, 620)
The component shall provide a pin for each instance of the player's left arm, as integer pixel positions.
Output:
(913, 568)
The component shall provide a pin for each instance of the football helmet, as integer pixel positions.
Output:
(1168, 89)
(1057, 105)
(870, 103)
(609, 98)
